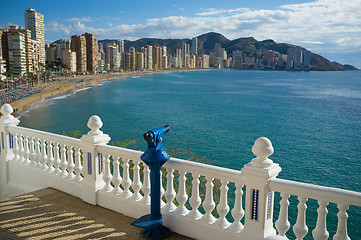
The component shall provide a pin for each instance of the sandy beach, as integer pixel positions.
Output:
(64, 85)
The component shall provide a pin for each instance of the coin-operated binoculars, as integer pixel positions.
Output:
(154, 157)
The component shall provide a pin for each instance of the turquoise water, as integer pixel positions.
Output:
(312, 118)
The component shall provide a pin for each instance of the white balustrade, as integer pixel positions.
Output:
(146, 185)
(126, 181)
(208, 203)
(107, 176)
(237, 211)
(60, 156)
(70, 165)
(50, 159)
(170, 193)
(41, 146)
(223, 207)
(195, 201)
(341, 233)
(136, 184)
(282, 224)
(63, 159)
(78, 167)
(182, 196)
(300, 229)
(117, 179)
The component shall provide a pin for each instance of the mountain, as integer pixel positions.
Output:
(248, 45)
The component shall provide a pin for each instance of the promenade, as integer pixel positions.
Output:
(49, 214)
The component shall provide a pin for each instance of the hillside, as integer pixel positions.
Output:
(248, 45)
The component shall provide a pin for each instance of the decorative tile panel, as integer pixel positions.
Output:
(269, 205)
(2, 140)
(89, 163)
(11, 141)
(254, 210)
(100, 159)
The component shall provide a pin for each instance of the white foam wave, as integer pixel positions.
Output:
(80, 90)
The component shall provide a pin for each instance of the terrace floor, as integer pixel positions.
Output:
(49, 214)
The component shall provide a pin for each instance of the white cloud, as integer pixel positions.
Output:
(75, 19)
(320, 25)
(182, 9)
(214, 11)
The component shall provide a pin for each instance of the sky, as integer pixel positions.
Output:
(331, 28)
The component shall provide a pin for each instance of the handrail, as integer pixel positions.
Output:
(175, 163)
(328, 194)
(45, 135)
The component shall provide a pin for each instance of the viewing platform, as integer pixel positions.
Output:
(49, 214)
(199, 201)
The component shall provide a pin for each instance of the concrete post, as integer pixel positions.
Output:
(92, 160)
(6, 146)
(259, 200)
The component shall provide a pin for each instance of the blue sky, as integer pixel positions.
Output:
(331, 28)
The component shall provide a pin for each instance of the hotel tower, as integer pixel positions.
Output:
(34, 21)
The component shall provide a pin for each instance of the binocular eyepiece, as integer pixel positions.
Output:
(148, 135)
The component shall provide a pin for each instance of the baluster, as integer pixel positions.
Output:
(223, 207)
(282, 224)
(195, 201)
(300, 228)
(34, 152)
(71, 164)
(342, 223)
(43, 157)
(320, 232)
(78, 166)
(146, 186)
(21, 149)
(117, 179)
(107, 176)
(126, 182)
(182, 196)
(162, 203)
(237, 211)
(50, 159)
(170, 193)
(208, 203)
(16, 147)
(63, 160)
(137, 184)
(57, 159)
(27, 151)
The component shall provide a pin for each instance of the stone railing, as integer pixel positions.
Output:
(198, 200)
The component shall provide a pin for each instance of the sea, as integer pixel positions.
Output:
(313, 120)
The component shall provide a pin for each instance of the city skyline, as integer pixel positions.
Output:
(330, 28)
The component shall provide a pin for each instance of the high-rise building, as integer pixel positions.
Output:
(148, 57)
(140, 61)
(78, 45)
(157, 57)
(120, 44)
(205, 61)
(69, 59)
(17, 53)
(64, 44)
(52, 52)
(269, 58)
(194, 50)
(35, 55)
(237, 59)
(132, 61)
(112, 59)
(91, 52)
(2, 62)
(34, 21)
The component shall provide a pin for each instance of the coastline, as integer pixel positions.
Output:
(64, 85)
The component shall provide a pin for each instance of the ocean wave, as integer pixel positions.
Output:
(80, 90)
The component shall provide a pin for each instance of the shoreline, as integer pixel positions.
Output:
(64, 85)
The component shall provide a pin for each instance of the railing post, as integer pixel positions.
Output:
(92, 160)
(6, 146)
(259, 200)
